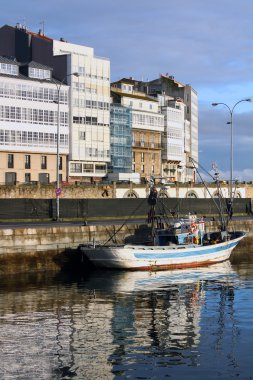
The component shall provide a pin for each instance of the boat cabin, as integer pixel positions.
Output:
(184, 232)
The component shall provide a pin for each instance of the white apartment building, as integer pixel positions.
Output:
(90, 112)
(167, 85)
(147, 127)
(28, 123)
(191, 101)
(176, 139)
(172, 137)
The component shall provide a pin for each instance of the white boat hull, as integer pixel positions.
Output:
(142, 257)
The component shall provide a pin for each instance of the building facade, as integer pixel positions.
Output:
(163, 121)
(29, 122)
(166, 85)
(121, 139)
(90, 112)
(147, 127)
(89, 117)
(175, 139)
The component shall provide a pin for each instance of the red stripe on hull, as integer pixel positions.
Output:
(173, 266)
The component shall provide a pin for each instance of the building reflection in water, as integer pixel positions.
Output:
(108, 324)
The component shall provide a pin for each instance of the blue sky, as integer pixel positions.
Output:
(206, 43)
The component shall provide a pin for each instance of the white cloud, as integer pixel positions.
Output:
(243, 175)
(205, 43)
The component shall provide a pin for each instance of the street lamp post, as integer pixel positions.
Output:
(58, 190)
(231, 112)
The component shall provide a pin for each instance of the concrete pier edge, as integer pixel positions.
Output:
(51, 248)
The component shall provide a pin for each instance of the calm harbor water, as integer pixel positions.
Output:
(188, 324)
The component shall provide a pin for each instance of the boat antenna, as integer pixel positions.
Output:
(215, 178)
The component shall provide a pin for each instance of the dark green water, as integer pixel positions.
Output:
(188, 324)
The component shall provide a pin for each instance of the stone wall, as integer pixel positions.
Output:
(37, 249)
(48, 191)
(29, 249)
(113, 191)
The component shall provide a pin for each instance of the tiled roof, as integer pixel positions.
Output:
(38, 35)
(127, 81)
(130, 95)
(8, 60)
(24, 77)
(37, 65)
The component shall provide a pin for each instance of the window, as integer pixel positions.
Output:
(82, 135)
(152, 140)
(100, 168)
(27, 177)
(142, 157)
(39, 73)
(10, 178)
(60, 163)
(130, 194)
(142, 139)
(44, 178)
(8, 68)
(88, 168)
(83, 120)
(76, 168)
(43, 162)
(191, 194)
(27, 161)
(10, 161)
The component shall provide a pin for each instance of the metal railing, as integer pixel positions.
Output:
(143, 144)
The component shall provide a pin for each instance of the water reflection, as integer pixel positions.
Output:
(112, 325)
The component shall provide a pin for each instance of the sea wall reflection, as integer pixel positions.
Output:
(110, 324)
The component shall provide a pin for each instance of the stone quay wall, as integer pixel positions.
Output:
(40, 249)
(115, 190)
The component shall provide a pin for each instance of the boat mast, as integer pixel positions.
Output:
(152, 200)
(223, 221)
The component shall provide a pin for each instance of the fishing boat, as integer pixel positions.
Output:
(181, 244)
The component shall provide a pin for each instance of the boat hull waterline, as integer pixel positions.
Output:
(142, 257)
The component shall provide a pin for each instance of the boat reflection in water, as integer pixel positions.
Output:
(117, 324)
(125, 281)
(153, 320)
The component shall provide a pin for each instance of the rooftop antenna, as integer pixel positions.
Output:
(21, 25)
(43, 26)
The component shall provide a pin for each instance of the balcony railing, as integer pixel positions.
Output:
(142, 144)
